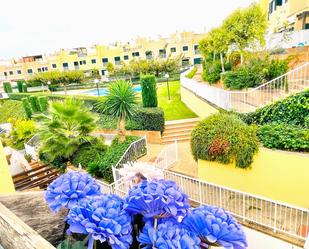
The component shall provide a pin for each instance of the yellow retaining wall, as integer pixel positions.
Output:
(196, 104)
(278, 175)
(6, 182)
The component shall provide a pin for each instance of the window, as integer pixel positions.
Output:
(103, 72)
(11, 72)
(185, 48)
(162, 53)
(75, 63)
(39, 70)
(307, 26)
(196, 51)
(173, 50)
(54, 66)
(135, 54)
(126, 57)
(93, 61)
(5, 74)
(148, 54)
(29, 71)
(83, 62)
(65, 66)
(105, 61)
(117, 60)
(18, 71)
(279, 2)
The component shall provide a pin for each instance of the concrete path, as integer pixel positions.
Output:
(258, 240)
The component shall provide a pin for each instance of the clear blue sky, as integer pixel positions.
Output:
(41, 26)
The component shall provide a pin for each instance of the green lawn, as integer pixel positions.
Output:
(11, 109)
(173, 109)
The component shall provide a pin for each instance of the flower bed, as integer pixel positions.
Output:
(154, 214)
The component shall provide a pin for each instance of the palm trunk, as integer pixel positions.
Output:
(121, 130)
(222, 63)
(241, 58)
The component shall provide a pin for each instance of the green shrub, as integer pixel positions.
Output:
(225, 138)
(256, 72)
(292, 110)
(212, 71)
(89, 153)
(191, 74)
(103, 167)
(34, 103)
(24, 88)
(149, 91)
(43, 103)
(11, 109)
(22, 131)
(7, 87)
(20, 85)
(284, 137)
(27, 107)
(151, 119)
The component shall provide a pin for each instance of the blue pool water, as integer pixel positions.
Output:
(104, 91)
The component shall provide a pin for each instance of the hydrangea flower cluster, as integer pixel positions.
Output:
(169, 234)
(104, 219)
(214, 226)
(70, 189)
(157, 199)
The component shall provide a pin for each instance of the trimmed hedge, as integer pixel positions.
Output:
(24, 88)
(27, 107)
(43, 103)
(90, 101)
(20, 85)
(284, 137)
(34, 102)
(191, 74)
(7, 87)
(103, 167)
(292, 110)
(151, 119)
(149, 91)
(224, 138)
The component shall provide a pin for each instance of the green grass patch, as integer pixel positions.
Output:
(11, 109)
(174, 109)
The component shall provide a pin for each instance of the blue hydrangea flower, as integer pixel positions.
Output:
(104, 219)
(216, 227)
(70, 189)
(157, 198)
(169, 234)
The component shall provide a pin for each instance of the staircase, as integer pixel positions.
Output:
(179, 130)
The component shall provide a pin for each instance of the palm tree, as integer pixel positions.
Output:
(120, 103)
(65, 128)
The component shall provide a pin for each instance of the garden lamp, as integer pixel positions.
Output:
(166, 76)
(96, 81)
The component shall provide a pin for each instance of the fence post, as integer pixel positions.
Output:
(220, 197)
(275, 218)
(200, 191)
(243, 207)
(114, 173)
(146, 144)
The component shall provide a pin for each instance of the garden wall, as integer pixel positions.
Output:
(6, 182)
(196, 104)
(278, 175)
(151, 136)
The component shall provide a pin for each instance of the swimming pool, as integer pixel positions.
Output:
(104, 91)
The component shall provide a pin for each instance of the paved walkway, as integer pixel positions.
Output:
(258, 240)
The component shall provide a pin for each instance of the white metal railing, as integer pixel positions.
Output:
(136, 150)
(272, 214)
(292, 82)
(167, 157)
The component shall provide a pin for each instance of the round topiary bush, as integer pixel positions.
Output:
(224, 138)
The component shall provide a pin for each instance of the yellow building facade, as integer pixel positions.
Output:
(6, 182)
(292, 15)
(183, 44)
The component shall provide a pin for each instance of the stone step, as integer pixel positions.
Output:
(181, 122)
(179, 127)
(175, 136)
(177, 131)
(169, 141)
